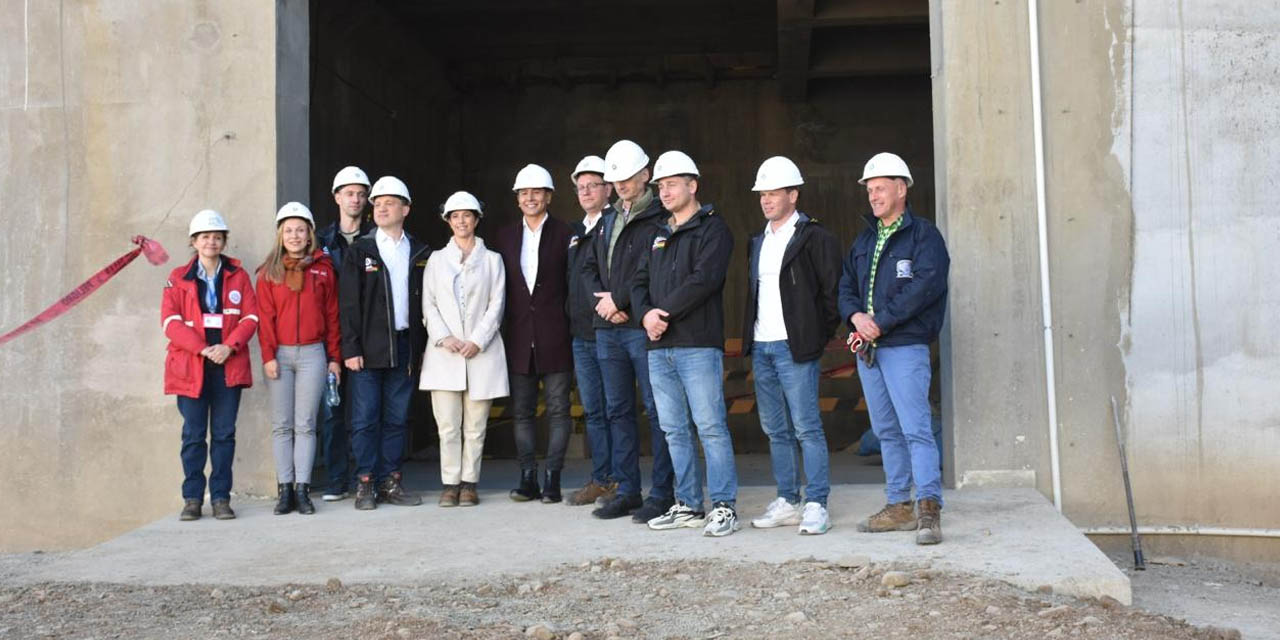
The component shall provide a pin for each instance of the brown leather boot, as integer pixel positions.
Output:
(190, 510)
(930, 531)
(222, 510)
(449, 496)
(590, 493)
(893, 517)
(468, 497)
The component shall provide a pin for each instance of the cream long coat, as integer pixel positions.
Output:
(482, 284)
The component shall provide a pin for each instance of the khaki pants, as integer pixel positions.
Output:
(461, 422)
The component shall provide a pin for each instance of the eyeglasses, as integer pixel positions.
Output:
(589, 186)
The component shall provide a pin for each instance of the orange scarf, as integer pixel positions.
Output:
(293, 271)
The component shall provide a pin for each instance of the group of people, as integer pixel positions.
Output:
(627, 299)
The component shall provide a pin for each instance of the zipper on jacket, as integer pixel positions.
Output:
(391, 327)
(792, 268)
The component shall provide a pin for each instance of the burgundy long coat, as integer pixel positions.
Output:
(535, 327)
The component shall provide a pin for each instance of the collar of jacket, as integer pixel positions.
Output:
(415, 247)
(229, 265)
(695, 221)
(648, 204)
(334, 229)
(907, 217)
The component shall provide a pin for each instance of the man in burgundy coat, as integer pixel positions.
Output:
(535, 328)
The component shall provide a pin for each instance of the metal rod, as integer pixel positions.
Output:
(1139, 563)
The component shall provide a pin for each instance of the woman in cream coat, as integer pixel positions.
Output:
(465, 365)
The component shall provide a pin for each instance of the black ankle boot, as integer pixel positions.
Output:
(287, 501)
(528, 489)
(551, 487)
(303, 491)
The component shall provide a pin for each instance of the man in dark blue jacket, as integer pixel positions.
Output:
(893, 294)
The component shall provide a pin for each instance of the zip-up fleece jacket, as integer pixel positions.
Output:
(683, 274)
(301, 317)
(911, 281)
(364, 306)
(183, 324)
(333, 243)
(581, 305)
(807, 284)
(631, 246)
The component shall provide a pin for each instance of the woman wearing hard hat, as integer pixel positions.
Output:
(465, 365)
(300, 338)
(209, 313)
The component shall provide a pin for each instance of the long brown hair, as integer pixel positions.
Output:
(272, 267)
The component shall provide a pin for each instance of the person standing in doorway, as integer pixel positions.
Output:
(793, 272)
(893, 294)
(536, 329)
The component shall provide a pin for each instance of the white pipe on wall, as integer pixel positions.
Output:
(1191, 530)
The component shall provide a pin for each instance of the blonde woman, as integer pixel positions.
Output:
(465, 365)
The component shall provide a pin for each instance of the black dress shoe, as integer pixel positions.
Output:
(652, 508)
(618, 507)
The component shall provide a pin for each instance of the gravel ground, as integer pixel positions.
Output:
(600, 599)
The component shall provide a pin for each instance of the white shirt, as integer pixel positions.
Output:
(395, 257)
(589, 222)
(769, 323)
(529, 251)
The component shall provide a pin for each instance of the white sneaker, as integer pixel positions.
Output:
(334, 496)
(722, 521)
(779, 513)
(678, 516)
(815, 521)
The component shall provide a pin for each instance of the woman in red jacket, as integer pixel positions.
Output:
(208, 313)
(298, 296)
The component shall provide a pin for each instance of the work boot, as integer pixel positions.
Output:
(190, 510)
(449, 495)
(930, 531)
(392, 492)
(652, 508)
(222, 510)
(551, 487)
(893, 517)
(302, 494)
(467, 497)
(528, 489)
(286, 502)
(618, 507)
(589, 493)
(366, 498)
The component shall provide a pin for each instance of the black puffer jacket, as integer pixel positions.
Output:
(683, 274)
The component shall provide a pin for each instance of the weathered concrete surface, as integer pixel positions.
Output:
(1012, 535)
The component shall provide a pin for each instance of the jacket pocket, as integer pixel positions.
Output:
(178, 363)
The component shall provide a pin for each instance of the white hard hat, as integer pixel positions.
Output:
(206, 220)
(673, 163)
(886, 165)
(533, 176)
(777, 172)
(461, 201)
(349, 175)
(624, 159)
(589, 164)
(389, 186)
(295, 210)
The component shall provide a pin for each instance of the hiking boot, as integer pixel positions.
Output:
(468, 497)
(815, 520)
(893, 517)
(190, 510)
(551, 487)
(779, 513)
(618, 507)
(302, 494)
(449, 496)
(286, 501)
(392, 492)
(930, 531)
(222, 510)
(722, 521)
(366, 497)
(652, 508)
(590, 492)
(680, 515)
(528, 489)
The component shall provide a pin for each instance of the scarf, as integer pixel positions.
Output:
(293, 271)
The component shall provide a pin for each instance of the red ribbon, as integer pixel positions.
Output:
(150, 248)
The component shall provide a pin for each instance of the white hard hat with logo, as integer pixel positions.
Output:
(589, 164)
(777, 172)
(295, 210)
(390, 186)
(349, 175)
(461, 201)
(206, 220)
(673, 163)
(533, 176)
(624, 159)
(886, 165)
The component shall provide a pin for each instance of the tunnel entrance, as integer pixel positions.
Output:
(459, 94)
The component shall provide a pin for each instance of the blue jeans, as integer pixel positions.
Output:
(214, 412)
(586, 367)
(335, 440)
(623, 363)
(787, 397)
(379, 414)
(897, 394)
(689, 382)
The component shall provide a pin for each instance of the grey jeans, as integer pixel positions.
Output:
(524, 398)
(295, 401)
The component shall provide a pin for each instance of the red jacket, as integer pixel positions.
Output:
(183, 324)
(304, 317)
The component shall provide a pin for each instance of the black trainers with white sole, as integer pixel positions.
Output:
(679, 516)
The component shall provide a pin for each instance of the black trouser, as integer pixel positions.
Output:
(524, 398)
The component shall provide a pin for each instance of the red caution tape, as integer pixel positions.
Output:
(150, 248)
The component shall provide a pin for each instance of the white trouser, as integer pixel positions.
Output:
(461, 422)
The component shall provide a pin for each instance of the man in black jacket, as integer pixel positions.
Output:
(380, 309)
(793, 271)
(679, 294)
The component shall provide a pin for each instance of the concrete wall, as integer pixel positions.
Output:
(118, 118)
